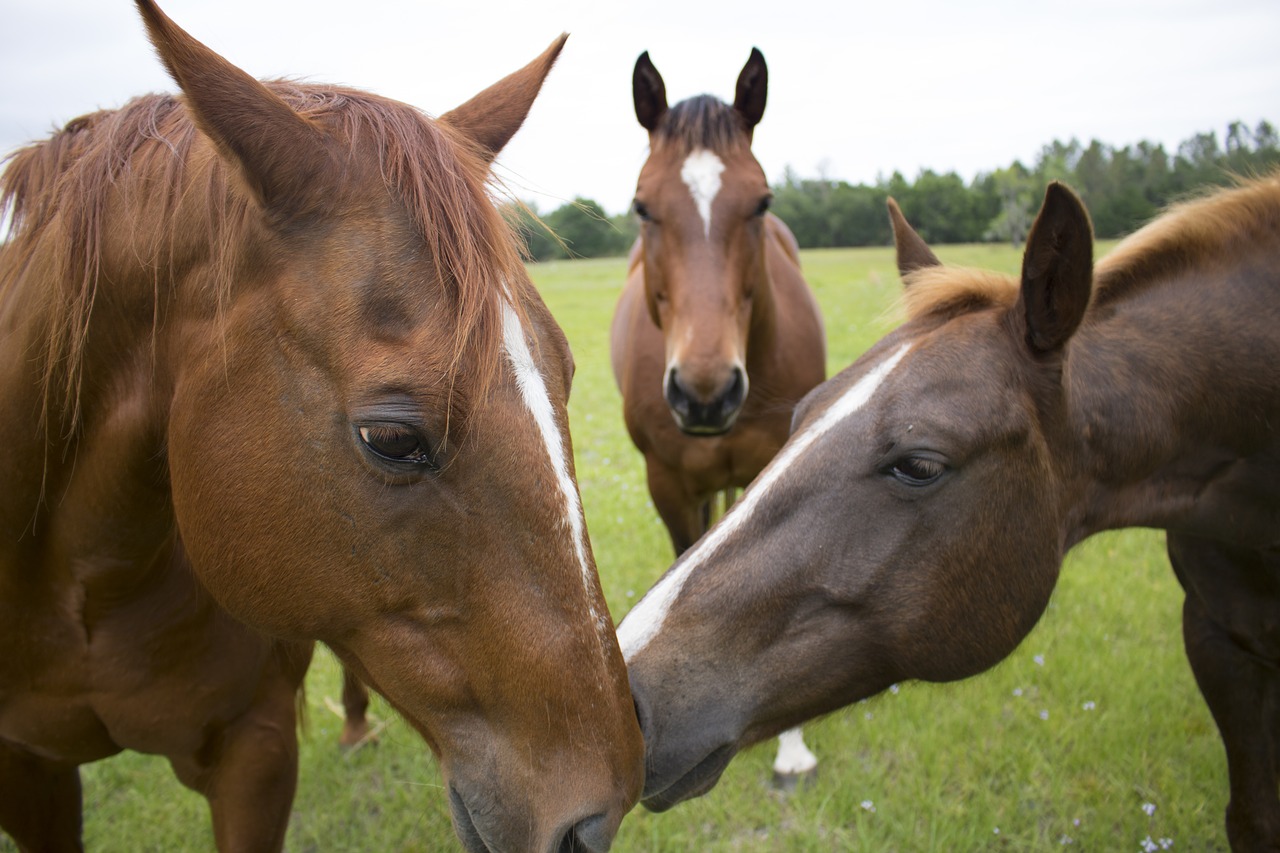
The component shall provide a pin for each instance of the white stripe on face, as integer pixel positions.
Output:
(534, 392)
(701, 174)
(646, 618)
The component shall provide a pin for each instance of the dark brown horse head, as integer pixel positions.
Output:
(367, 435)
(702, 199)
(909, 528)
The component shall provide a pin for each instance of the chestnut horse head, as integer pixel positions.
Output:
(303, 302)
(702, 199)
(914, 523)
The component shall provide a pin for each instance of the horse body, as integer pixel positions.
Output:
(915, 522)
(283, 379)
(716, 334)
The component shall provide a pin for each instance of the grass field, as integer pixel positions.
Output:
(1092, 736)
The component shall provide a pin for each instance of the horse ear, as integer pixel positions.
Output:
(752, 90)
(649, 92)
(1057, 270)
(492, 117)
(281, 155)
(913, 252)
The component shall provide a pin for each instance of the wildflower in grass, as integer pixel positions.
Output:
(1065, 840)
(1044, 715)
(1149, 846)
(893, 688)
(1166, 843)
(995, 831)
(1090, 705)
(1039, 659)
(1149, 808)
(1017, 691)
(868, 806)
(867, 715)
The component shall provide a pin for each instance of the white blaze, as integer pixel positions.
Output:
(534, 392)
(701, 174)
(646, 618)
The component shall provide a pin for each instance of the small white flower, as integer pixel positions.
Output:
(893, 688)
(1149, 808)
(1075, 822)
(1149, 846)
(867, 715)
(1090, 705)
(1065, 840)
(995, 831)
(1044, 715)
(868, 806)
(631, 593)
(1166, 843)
(1017, 691)
(1039, 659)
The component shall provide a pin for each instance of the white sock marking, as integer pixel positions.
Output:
(701, 174)
(794, 757)
(646, 618)
(534, 391)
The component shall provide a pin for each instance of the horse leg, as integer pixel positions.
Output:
(1233, 644)
(248, 771)
(795, 765)
(355, 704)
(39, 802)
(684, 515)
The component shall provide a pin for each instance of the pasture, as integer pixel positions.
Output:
(1091, 737)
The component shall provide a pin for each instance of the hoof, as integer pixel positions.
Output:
(354, 736)
(789, 783)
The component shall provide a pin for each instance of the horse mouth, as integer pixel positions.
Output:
(465, 826)
(700, 779)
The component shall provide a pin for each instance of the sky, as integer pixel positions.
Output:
(857, 90)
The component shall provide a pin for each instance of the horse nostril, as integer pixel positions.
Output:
(590, 835)
(737, 391)
(677, 397)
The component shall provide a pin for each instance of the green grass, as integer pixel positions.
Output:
(943, 766)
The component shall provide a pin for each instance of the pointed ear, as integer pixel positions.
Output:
(492, 117)
(752, 90)
(913, 252)
(649, 93)
(282, 156)
(1057, 271)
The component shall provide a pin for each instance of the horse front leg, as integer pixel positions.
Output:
(40, 805)
(1232, 636)
(685, 516)
(355, 707)
(248, 770)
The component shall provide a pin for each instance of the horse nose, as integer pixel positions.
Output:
(705, 407)
(589, 835)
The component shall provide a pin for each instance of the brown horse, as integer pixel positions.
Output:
(915, 522)
(273, 373)
(716, 335)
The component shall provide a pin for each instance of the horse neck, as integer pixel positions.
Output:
(1172, 390)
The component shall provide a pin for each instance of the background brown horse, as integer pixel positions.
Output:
(273, 373)
(915, 522)
(716, 335)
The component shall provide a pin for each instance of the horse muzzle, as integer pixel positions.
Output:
(701, 410)
(494, 830)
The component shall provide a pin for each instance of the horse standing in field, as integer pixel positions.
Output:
(273, 373)
(915, 522)
(716, 335)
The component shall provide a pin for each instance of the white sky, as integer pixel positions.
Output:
(857, 89)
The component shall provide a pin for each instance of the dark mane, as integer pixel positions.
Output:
(703, 121)
(57, 194)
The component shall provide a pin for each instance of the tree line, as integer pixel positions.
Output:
(1122, 187)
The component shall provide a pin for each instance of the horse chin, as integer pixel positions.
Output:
(464, 825)
(698, 781)
(699, 429)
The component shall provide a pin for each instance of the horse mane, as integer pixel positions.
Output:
(1223, 224)
(57, 194)
(941, 290)
(703, 121)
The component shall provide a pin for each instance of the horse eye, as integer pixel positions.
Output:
(396, 443)
(765, 204)
(642, 211)
(918, 470)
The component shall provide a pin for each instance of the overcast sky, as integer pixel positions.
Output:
(856, 89)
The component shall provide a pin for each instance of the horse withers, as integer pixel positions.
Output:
(914, 524)
(716, 335)
(274, 373)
